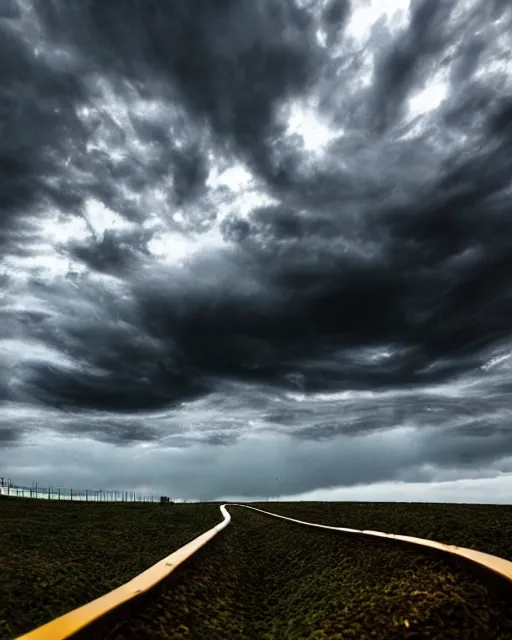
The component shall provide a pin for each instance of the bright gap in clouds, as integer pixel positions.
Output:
(429, 98)
(366, 13)
(492, 490)
(305, 122)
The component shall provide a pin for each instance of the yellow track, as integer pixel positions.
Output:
(71, 623)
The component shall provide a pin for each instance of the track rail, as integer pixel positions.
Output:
(76, 622)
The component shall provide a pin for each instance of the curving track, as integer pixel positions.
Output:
(95, 618)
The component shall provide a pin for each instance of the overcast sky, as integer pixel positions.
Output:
(257, 249)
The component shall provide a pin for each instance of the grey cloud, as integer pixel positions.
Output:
(137, 278)
(9, 435)
(264, 465)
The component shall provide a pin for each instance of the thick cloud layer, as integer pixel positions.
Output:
(285, 217)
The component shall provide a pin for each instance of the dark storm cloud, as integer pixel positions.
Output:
(36, 113)
(382, 263)
(9, 435)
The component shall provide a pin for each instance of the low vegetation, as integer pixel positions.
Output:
(268, 579)
(58, 555)
(262, 578)
(475, 526)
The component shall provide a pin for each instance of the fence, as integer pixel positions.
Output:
(7, 488)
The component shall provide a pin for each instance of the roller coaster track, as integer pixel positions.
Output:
(112, 605)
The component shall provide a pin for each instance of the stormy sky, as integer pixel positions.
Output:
(257, 249)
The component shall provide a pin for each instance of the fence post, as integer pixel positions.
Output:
(87, 495)
(49, 490)
(71, 494)
(58, 492)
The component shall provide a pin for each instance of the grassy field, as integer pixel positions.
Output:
(262, 578)
(267, 579)
(58, 555)
(483, 527)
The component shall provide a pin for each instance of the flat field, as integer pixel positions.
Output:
(262, 578)
(269, 579)
(475, 526)
(58, 555)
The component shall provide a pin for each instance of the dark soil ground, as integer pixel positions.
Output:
(262, 578)
(58, 555)
(475, 526)
(267, 579)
